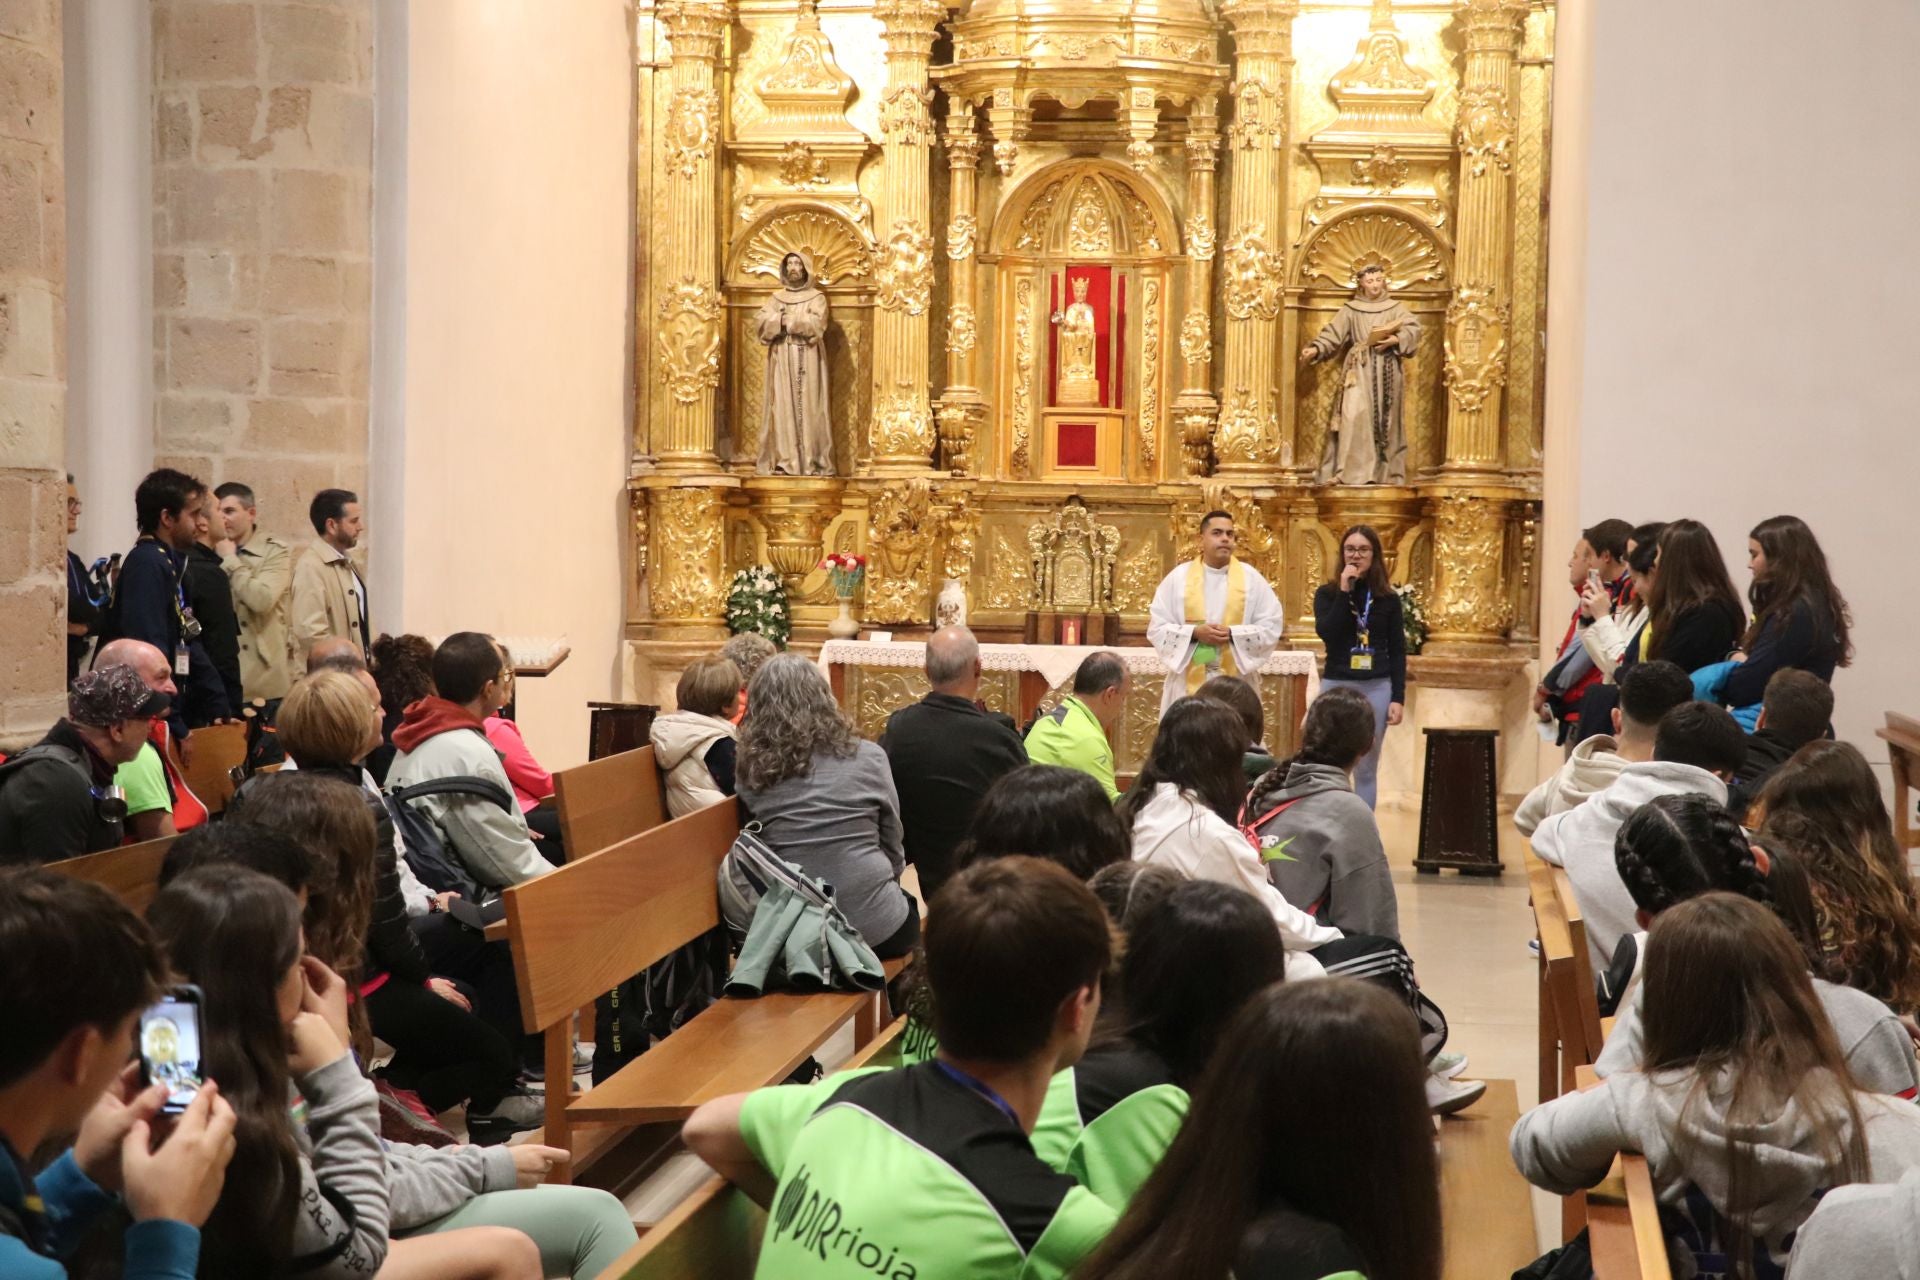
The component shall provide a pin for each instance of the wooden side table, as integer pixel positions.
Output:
(1459, 803)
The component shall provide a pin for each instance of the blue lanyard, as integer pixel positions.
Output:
(980, 1087)
(1361, 616)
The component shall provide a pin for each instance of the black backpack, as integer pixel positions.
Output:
(439, 867)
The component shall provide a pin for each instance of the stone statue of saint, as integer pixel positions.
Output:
(1079, 383)
(1366, 435)
(795, 436)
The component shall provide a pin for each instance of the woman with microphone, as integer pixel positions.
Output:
(1358, 619)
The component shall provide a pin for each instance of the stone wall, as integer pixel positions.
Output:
(263, 160)
(33, 272)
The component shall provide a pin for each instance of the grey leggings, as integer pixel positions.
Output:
(580, 1231)
(1366, 772)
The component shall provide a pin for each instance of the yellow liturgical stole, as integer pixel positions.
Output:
(1196, 609)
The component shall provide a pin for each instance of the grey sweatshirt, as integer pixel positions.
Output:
(1862, 1231)
(841, 823)
(1567, 1144)
(341, 1161)
(1878, 1049)
(1324, 852)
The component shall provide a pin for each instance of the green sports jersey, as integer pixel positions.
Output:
(1109, 1119)
(1071, 735)
(910, 1174)
(143, 780)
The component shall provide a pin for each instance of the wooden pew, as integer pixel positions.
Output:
(131, 872)
(606, 801)
(217, 750)
(1623, 1218)
(1585, 1011)
(1902, 736)
(580, 930)
(715, 1232)
(1562, 1037)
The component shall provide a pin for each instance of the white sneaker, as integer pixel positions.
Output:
(1444, 1097)
(1447, 1065)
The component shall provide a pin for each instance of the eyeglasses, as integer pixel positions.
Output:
(73, 504)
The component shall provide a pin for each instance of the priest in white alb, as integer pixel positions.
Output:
(1214, 615)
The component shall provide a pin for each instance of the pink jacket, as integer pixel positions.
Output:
(531, 783)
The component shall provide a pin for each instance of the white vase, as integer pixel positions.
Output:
(846, 626)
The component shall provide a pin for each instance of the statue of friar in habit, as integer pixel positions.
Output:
(1367, 434)
(795, 438)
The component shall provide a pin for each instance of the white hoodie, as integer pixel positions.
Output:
(1568, 1143)
(1591, 768)
(681, 740)
(1174, 830)
(1581, 840)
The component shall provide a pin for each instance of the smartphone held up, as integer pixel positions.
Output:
(170, 1046)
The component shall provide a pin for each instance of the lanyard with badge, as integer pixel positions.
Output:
(1361, 658)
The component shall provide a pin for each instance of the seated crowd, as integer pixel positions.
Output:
(1132, 1006)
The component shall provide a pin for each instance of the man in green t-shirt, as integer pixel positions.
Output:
(1079, 732)
(927, 1172)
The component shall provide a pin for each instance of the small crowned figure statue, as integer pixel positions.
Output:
(1078, 382)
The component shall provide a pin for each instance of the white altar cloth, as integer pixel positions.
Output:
(1055, 663)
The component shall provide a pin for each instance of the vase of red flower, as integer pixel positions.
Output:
(846, 572)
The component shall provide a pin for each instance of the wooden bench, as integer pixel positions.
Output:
(1623, 1218)
(606, 801)
(131, 872)
(1902, 736)
(582, 929)
(1585, 1010)
(218, 749)
(1486, 1210)
(1563, 1040)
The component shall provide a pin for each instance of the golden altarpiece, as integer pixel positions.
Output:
(1073, 247)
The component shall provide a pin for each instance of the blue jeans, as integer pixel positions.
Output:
(1366, 772)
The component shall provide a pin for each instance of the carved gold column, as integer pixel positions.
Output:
(689, 317)
(1471, 605)
(1248, 440)
(1196, 410)
(1478, 315)
(903, 433)
(962, 411)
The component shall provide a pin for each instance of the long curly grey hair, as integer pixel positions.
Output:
(791, 718)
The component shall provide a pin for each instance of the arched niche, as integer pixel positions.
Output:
(1066, 218)
(843, 263)
(1418, 259)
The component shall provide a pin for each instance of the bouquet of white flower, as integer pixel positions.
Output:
(1413, 616)
(757, 602)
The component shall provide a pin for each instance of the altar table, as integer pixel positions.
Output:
(873, 680)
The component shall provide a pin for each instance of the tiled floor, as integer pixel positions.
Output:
(1468, 938)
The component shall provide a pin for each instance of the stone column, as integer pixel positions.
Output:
(1477, 316)
(110, 216)
(1195, 409)
(903, 433)
(33, 274)
(962, 409)
(1248, 439)
(689, 315)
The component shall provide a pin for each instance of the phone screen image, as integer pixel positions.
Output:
(170, 1049)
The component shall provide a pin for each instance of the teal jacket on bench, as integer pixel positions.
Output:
(794, 943)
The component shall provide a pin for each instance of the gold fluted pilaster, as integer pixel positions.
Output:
(1479, 315)
(962, 410)
(690, 307)
(1248, 439)
(1196, 410)
(903, 431)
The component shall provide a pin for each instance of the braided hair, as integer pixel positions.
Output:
(1681, 846)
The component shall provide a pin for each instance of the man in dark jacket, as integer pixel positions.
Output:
(57, 798)
(946, 750)
(84, 596)
(210, 597)
(1795, 711)
(150, 602)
